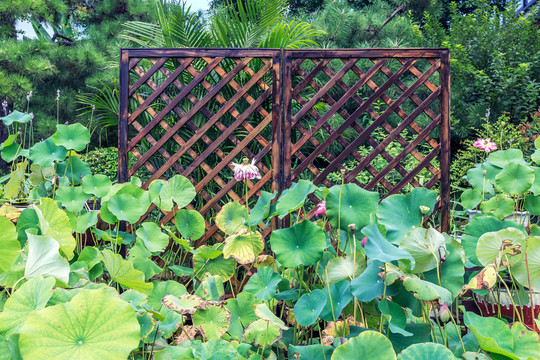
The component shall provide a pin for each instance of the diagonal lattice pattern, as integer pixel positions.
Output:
(378, 117)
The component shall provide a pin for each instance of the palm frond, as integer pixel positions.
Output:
(186, 28)
(292, 35)
(103, 105)
(143, 34)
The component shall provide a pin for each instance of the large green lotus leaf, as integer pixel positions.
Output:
(344, 268)
(106, 215)
(477, 227)
(302, 244)
(147, 324)
(125, 207)
(44, 259)
(263, 284)
(167, 326)
(421, 334)
(515, 179)
(311, 352)
(470, 198)
(337, 297)
(16, 116)
(426, 351)
(154, 189)
(499, 205)
(503, 158)
(94, 324)
(356, 206)
(308, 308)
(535, 188)
(98, 185)
(179, 189)
(451, 272)
(454, 339)
(532, 204)
(526, 344)
(82, 222)
(13, 151)
(213, 322)
(28, 219)
(9, 141)
(73, 170)
(8, 243)
(72, 137)
(293, 198)
(32, 295)
(261, 210)
(54, 223)
(12, 188)
(395, 316)
(368, 345)
(242, 312)
(152, 237)
(215, 266)
(493, 335)
(478, 178)
(378, 248)
(400, 213)
(15, 272)
(489, 245)
(519, 270)
(215, 349)
(369, 284)
(161, 289)
(232, 218)
(190, 224)
(72, 198)
(46, 152)
(122, 272)
(262, 333)
(426, 246)
(211, 288)
(243, 247)
(40, 174)
(264, 313)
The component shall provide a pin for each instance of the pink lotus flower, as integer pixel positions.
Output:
(444, 313)
(364, 242)
(246, 170)
(320, 209)
(485, 144)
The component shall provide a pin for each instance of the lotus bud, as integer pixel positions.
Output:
(352, 227)
(364, 242)
(444, 313)
(424, 209)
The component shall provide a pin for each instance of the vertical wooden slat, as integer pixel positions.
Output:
(276, 128)
(286, 90)
(123, 117)
(445, 141)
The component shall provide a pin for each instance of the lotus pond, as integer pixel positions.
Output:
(352, 277)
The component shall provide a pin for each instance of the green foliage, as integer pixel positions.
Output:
(103, 161)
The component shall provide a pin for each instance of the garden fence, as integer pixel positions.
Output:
(376, 117)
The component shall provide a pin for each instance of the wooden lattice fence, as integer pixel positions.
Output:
(376, 117)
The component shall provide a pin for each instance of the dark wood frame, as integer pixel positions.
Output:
(282, 64)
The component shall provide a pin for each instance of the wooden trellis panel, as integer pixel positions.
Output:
(317, 114)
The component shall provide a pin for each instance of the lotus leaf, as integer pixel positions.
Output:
(160, 290)
(490, 246)
(344, 268)
(401, 213)
(308, 308)
(83, 221)
(337, 297)
(152, 237)
(262, 333)
(211, 288)
(243, 247)
(98, 185)
(94, 324)
(426, 351)
(535, 188)
(215, 266)
(8, 243)
(15, 272)
(264, 313)
(122, 272)
(293, 198)
(478, 179)
(502, 158)
(32, 295)
(231, 218)
(184, 304)
(167, 326)
(451, 272)
(213, 349)
(426, 246)
(72, 137)
(72, 198)
(519, 270)
(499, 205)
(261, 210)
(368, 345)
(242, 313)
(190, 224)
(46, 152)
(213, 322)
(73, 169)
(532, 204)
(263, 284)
(369, 284)
(395, 316)
(12, 152)
(154, 189)
(44, 259)
(16, 116)
(40, 174)
(311, 352)
(11, 189)
(350, 204)
(126, 207)
(302, 244)
(54, 223)
(421, 289)
(470, 198)
(515, 179)
(179, 189)
(378, 248)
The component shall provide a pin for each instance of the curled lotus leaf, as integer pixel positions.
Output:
(243, 247)
(16, 116)
(262, 333)
(231, 218)
(72, 137)
(264, 313)
(426, 246)
(185, 304)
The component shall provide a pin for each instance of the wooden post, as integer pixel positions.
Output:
(445, 141)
